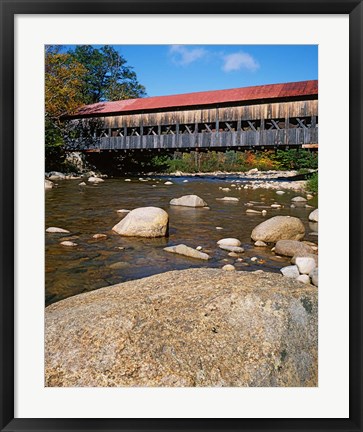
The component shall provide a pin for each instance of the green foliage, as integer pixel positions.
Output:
(313, 182)
(108, 77)
(296, 159)
(74, 78)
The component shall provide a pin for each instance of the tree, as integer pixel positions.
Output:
(108, 77)
(63, 84)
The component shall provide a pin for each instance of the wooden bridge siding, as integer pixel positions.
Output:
(249, 112)
(214, 140)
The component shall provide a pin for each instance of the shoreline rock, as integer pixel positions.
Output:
(190, 328)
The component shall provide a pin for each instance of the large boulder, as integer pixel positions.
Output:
(182, 249)
(292, 247)
(144, 222)
(279, 228)
(189, 328)
(188, 201)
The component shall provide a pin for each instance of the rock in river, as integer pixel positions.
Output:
(314, 216)
(188, 201)
(305, 265)
(189, 328)
(290, 271)
(314, 276)
(232, 199)
(95, 180)
(279, 228)
(182, 249)
(56, 230)
(229, 242)
(299, 199)
(48, 184)
(144, 222)
(292, 247)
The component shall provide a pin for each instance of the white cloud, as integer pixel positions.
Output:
(238, 61)
(183, 56)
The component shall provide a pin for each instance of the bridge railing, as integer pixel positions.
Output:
(265, 138)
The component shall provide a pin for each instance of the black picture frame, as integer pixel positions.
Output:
(8, 10)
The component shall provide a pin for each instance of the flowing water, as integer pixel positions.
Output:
(91, 209)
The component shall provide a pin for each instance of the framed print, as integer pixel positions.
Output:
(167, 277)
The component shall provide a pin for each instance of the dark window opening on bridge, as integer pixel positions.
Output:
(250, 125)
(278, 123)
(168, 130)
(230, 126)
(187, 128)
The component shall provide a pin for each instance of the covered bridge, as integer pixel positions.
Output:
(267, 116)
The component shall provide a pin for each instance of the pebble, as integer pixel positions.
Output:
(233, 254)
(309, 196)
(185, 181)
(168, 183)
(260, 243)
(264, 212)
(123, 211)
(250, 211)
(99, 236)
(128, 180)
(68, 243)
(227, 199)
(82, 184)
(254, 259)
(275, 206)
(199, 248)
(280, 192)
(219, 228)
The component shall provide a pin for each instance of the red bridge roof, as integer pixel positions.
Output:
(244, 94)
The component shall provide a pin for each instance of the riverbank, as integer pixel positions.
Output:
(196, 327)
(254, 179)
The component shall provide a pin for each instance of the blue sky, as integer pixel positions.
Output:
(171, 69)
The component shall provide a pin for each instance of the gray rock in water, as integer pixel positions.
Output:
(182, 249)
(314, 275)
(48, 184)
(228, 248)
(310, 255)
(144, 222)
(56, 175)
(314, 216)
(188, 201)
(229, 242)
(189, 328)
(305, 265)
(57, 230)
(299, 199)
(95, 180)
(232, 199)
(290, 271)
(68, 243)
(292, 247)
(279, 228)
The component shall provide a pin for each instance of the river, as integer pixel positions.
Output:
(91, 209)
